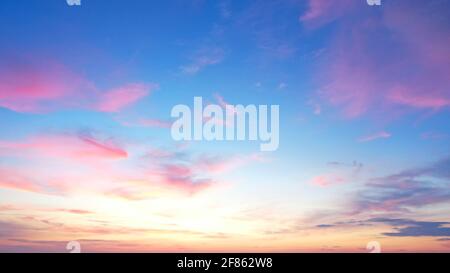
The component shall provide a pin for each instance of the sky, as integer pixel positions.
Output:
(86, 152)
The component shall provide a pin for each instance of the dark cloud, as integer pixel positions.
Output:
(8, 229)
(324, 226)
(405, 190)
(402, 227)
(411, 228)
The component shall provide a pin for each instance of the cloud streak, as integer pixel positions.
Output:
(404, 71)
(202, 59)
(406, 190)
(411, 228)
(41, 86)
(379, 135)
(64, 146)
(121, 97)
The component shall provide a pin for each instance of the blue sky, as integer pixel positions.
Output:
(85, 99)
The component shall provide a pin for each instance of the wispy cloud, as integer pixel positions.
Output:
(32, 87)
(45, 86)
(64, 146)
(406, 190)
(340, 174)
(204, 57)
(270, 32)
(282, 85)
(412, 228)
(402, 227)
(173, 174)
(375, 136)
(220, 164)
(116, 99)
(14, 180)
(77, 162)
(433, 136)
(321, 12)
(155, 123)
(382, 81)
(327, 180)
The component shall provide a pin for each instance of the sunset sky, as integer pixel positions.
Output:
(86, 152)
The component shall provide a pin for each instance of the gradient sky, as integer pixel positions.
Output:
(85, 147)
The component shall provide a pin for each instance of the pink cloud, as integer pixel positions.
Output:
(84, 164)
(375, 136)
(341, 173)
(187, 185)
(103, 149)
(317, 108)
(321, 12)
(70, 147)
(116, 99)
(327, 180)
(394, 62)
(165, 173)
(33, 86)
(60, 164)
(161, 154)
(171, 180)
(41, 181)
(10, 179)
(170, 176)
(404, 96)
(178, 170)
(73, 211)
(216, 164)
(155, 123)
(144, 122)
(221, 100)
